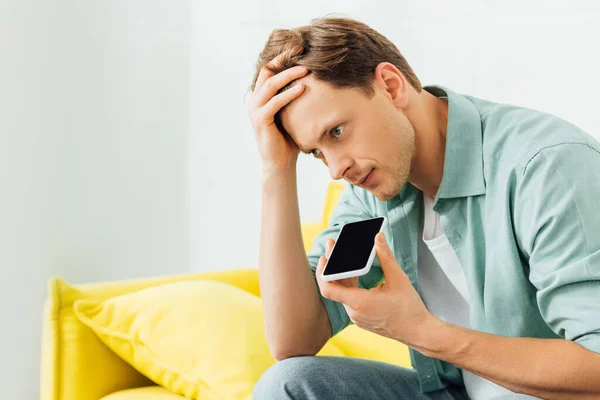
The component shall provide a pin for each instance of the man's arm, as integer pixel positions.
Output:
(545, 368)
(284, 267)
(295, 319)
(557, 227)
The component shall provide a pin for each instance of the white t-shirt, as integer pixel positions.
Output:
(445, 293)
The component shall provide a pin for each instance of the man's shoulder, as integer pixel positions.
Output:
(513, 135)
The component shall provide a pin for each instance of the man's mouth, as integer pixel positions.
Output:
(367, 180)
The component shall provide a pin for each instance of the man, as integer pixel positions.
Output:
(489, 268)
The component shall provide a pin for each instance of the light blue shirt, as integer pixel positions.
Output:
(520, 203)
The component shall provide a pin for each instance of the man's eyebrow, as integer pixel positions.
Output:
(328, 128)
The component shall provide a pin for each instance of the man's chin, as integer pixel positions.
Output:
(382, 196)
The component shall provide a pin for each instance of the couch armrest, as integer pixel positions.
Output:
(75, 363)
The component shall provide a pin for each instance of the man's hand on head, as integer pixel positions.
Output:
(277, 152)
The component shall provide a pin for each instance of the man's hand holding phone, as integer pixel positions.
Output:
(393, 308)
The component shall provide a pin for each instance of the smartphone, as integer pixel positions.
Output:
(354, 249)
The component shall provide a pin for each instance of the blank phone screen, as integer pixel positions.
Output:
(353, 246)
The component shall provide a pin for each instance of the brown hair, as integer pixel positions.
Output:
(340, 51)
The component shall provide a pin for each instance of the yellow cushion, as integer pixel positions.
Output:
(145, 393)
(75, 364)
(200, 339)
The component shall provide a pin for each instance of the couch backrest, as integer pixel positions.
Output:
(334, 191)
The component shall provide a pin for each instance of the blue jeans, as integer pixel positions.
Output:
(344, 378)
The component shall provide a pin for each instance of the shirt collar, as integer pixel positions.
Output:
(463, 162)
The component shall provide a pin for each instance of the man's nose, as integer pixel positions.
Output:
(337, 166)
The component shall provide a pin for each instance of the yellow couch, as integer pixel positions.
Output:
(77, 365)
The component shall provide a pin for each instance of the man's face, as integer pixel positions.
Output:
(363, 137)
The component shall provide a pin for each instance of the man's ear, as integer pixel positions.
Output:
(393, 83)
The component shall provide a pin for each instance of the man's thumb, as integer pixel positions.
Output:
(384, 253)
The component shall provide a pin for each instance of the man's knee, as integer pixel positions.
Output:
(285, 378)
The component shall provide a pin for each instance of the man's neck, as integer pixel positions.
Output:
(429, 118)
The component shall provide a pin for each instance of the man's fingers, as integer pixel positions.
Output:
(264, 73)
(323, 259)
(349, 282)
(329, 246)
(281, 100)
(319, 269)
(382, 248)
(386, 257)
(274, 84)
(351, 296)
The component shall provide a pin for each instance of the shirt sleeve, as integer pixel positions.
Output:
(349, 209)
(557, 219)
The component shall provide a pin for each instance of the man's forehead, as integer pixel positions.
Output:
(314, 107)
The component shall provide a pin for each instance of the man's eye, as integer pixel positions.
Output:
(337, 131)
(315, 152)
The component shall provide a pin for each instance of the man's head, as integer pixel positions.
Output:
(352, 112)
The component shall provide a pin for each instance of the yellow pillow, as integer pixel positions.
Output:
(200, 339)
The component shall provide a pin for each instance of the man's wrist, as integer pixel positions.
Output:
(272, 172)
(443, 340)
(430, 337)
(277, 177)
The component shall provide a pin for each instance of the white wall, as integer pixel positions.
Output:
(539, 54)
(93, 133)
